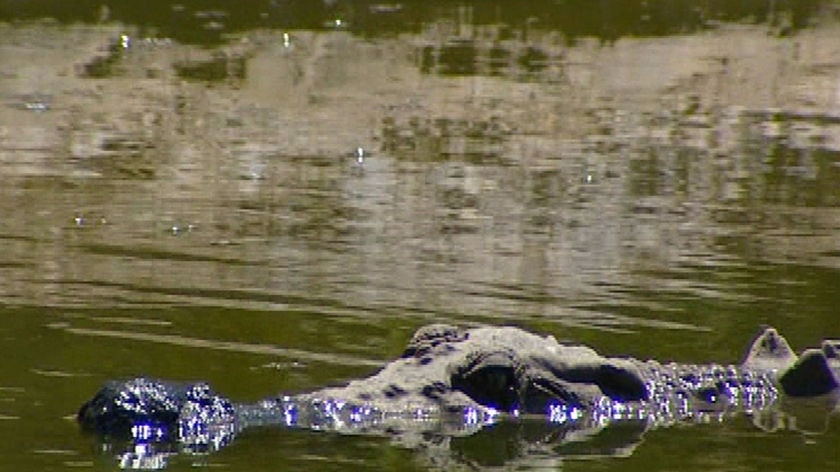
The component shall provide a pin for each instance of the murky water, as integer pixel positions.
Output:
(273, 198)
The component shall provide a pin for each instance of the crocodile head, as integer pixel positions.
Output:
(502, 368)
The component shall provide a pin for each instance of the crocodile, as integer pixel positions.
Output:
(465, 379)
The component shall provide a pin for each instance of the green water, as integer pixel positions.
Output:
(182, 198)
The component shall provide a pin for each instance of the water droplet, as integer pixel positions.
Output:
(37, 106)
(177, 230)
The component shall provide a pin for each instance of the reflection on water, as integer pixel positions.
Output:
(182, 186)
(496, 195)
(200, 22)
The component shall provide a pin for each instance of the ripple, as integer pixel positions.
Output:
(152, 253)
(55, 373)
(178, 340)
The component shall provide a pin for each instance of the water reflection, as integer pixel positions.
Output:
(198, 22)
(571, 190)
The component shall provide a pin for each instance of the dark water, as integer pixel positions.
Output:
(272, 198)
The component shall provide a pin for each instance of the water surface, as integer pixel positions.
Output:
(273, 198)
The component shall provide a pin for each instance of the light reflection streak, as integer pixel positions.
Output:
(179, 340)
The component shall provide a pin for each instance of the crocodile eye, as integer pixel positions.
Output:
(491, 386)
(490, 379)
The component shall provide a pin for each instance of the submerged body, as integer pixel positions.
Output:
(467, 377)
